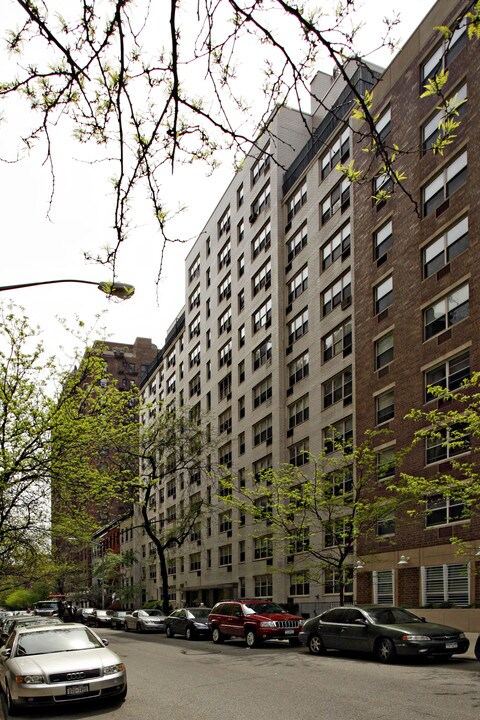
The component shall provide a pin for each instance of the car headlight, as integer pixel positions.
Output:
(268, 623)
(416, 638)
(29, 679)
(112, 669)
(199, 625)
(462, 636)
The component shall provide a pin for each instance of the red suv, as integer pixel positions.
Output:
(254, 620)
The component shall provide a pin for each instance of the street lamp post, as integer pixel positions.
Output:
(122, 291)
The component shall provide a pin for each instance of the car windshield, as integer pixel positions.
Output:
(265, 608)
(392, 616)
(54, 641)
(46, 605)
(200, 612)
(152, 613)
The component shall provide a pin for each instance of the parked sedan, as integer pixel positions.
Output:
(21, 620)
(191, 622)
(99, 618)
(117, 621)
(145, 621)
(45, 664)
(382, 630)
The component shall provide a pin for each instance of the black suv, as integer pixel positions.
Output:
(253, 620)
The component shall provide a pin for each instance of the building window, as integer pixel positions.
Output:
(241, 265)
(262, 392)
(335, 578)
(432, 130)
(384, 351)
(443, 249)
(446, 584)
(241, 551)
(298, 327)
(224, 223)
(261, 468)
(382, 183)
(296, 243)
(338, 199)
(195, 562)
(225, 321)
(337, 246)
(298, 412)
(261, 241)
(386, 526)
(241, 407)
(194, 327)
(337, 153)
(383, 239)
(225, 421)
(384, 124)
(298, 284)
(261, 165)
(224, 256)
(444, 184)
(263, 586)
(240, 196)
(225, 354)
(296, 201)
(263, 547)
(171, 384)
(338, 435)
(383, 295)
(300, 583)
(263, 278)
(263, 316)
(225, 288)
(262, 431)
(241, 336)
(442, 510)
(383, 587)
(299, 453)
(298, 369)
(446, 312)
(338, 293)
(225, 387)
(194, 356)
(262, 354)
(225, 455)
(384, 407)
(299, 541)
(446, 443)
(224, 555)
(337, 388)
(338, 342)
(385, 464)
(194, 299)
(449, 374)
(443, 55)
(261, 203)
(194, 269)
(194, 385)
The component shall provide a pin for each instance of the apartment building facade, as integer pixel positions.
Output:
(305, 313)
(416, 311)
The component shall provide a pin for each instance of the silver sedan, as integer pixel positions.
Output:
(55, 665)
(145, 621)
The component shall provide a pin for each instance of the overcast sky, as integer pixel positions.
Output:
(36, 248)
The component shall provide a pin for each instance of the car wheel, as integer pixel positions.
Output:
(11, 707)
(189, 633)
(169, 632)
(217, 636)
(138, 628)
(315, 645)
(385, 650)
(251, 638)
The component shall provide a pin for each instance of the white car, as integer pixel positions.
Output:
(53, 665)
(145, 621)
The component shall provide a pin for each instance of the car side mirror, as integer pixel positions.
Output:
(105, 641)
(5, 653)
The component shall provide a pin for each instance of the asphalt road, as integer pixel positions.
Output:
(180, 680)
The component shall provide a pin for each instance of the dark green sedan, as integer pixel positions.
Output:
(383, 630)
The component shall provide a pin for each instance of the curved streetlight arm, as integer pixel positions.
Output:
(123, 291)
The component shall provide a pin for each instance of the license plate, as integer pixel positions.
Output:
(78, 689)
(289, 632)
(451, 646)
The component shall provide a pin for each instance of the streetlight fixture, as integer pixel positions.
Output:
(122, 291)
